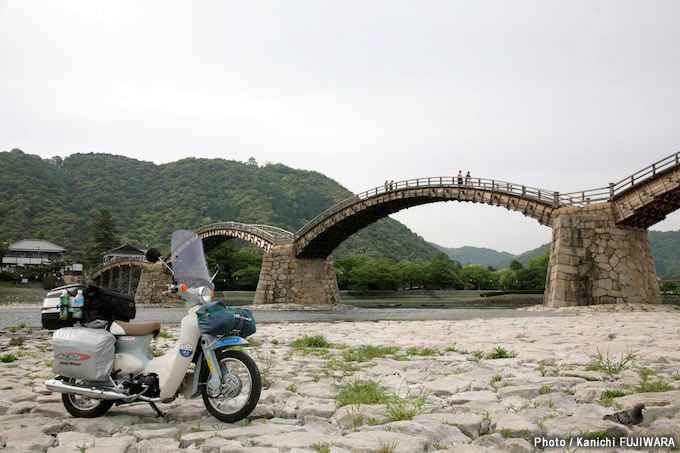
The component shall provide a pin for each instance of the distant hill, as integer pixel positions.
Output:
(666, 252)
(665, 249)
(150, 201)
(474, 255)
(523, 257)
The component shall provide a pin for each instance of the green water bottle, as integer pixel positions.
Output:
(63, 305)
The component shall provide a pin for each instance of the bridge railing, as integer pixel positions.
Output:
(614, 189)
(271, 234)
(547, 197)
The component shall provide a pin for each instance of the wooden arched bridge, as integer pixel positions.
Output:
(630, 205)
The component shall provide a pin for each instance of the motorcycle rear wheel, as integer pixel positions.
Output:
(240, 388)
(83, 407)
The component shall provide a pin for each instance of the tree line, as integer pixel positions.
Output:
(441, 272)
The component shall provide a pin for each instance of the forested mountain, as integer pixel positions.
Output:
(149, 201)
(474, 255)
(666, 252)
(665, 249)
(523, 257)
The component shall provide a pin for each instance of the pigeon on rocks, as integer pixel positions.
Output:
(628, 417)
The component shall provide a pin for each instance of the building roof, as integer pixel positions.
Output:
(35, 245)
(127, 249)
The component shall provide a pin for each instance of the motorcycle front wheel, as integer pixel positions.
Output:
(82, 406)
(239, 390)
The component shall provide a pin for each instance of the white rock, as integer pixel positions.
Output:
(468, 424)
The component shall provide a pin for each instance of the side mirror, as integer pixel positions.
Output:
(153, 254)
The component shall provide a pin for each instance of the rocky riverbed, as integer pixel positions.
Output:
(389, 386)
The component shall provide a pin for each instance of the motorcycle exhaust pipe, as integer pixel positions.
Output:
(54, 385)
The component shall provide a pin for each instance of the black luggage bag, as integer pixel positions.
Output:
(102, 303)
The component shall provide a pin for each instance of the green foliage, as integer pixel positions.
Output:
(104, 237)
(501, 353)
(149, 202)
(359, 391)
(238, 269)
(311, 341)
(602, 361)
(609, 395)
(367, 352)
(17, 341)
(8, 358)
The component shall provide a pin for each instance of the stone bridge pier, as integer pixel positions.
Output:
(286, 279)
(595, 261)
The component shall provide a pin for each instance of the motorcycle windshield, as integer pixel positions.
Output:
(188, 260)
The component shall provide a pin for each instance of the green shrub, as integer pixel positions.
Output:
(367, 352)
(8, 358)
(500, 353)
(17, 341)
(313, 341)
(360, 391)
(48, 283)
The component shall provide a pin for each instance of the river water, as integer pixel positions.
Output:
(30, 316)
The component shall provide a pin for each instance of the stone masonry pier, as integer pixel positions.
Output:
(285, 279)
(595, 261)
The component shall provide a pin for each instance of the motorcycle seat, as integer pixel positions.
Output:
(135, 328)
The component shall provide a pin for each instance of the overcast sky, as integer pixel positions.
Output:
(557, 95)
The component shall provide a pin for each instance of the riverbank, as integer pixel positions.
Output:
(481, 384)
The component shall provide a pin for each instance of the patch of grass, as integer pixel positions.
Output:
(476, 356)
(8, 358)
(368, 352)
(406, 408)
(340, 364)
(311, 341)
(12, 329)
(505, 432)
(495, 379)
(422, 352)
(501, 353)
(275, 341)
(610, 364)
(322, 447)
(359, 391)
(646, 386)
(387, 447)
(544, 390)
(291, 388)
(541, 369)
(609, 395)
(17, 341)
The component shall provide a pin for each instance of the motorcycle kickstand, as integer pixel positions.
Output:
(158, 411)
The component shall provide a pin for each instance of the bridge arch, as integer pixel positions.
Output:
(263, 236)
(319, 237)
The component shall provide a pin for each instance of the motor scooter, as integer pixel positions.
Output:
(227, 379)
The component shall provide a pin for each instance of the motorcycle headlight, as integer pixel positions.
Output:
(206, 294)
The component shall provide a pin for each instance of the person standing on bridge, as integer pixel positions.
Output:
(460, 177)
(387, 185)
(467, 179)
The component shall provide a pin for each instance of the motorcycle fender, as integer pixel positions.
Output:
(224, 342)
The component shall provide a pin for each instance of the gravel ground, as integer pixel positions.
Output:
(437, 386)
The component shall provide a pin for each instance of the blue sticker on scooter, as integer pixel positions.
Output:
(226, 341)
(186, 350)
